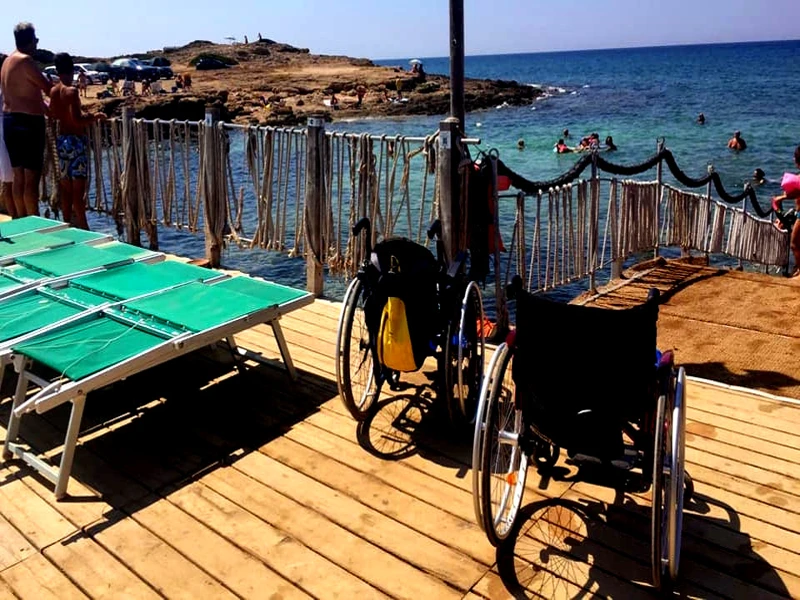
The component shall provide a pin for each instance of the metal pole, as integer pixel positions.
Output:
(457, 61)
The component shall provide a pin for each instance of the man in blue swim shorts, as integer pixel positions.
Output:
(22, 85)
(72, 143)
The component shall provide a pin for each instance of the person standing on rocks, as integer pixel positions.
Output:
(22, 85)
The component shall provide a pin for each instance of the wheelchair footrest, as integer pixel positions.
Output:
(624, 463)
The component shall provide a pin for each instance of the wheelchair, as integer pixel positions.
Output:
(592, 382)
(445, 317)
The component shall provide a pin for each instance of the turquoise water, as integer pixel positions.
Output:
(634, 95)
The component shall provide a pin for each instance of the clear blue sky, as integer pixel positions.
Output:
(390, 29)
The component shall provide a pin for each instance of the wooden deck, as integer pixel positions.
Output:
(197, 481)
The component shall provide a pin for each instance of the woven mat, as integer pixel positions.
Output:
(737, 328)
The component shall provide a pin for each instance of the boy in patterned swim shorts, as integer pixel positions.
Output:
(72, 143)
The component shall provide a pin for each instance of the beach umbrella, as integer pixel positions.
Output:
(415, 61)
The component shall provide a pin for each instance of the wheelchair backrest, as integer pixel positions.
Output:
(608, 356)
(406, 270)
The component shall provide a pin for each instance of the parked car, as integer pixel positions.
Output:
(50, 73)
(133, 69)
(162, 65)
(207, 64)
(94, 77)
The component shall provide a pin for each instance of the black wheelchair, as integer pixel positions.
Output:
(445, 317)
(591, 381)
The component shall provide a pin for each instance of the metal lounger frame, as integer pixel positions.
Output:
(53, 394)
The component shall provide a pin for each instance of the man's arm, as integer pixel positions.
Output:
(36, 76)
(75, 109)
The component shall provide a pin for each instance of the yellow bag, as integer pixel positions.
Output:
(394, 341)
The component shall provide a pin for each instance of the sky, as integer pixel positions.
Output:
(387, 29)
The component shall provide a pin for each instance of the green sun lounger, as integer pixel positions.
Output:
(103, 346)
(27, 224)
(32, 242)
(47, 307)
(72, 260)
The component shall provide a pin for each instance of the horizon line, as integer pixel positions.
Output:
(634, 47)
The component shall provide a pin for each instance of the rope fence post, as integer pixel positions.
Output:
(659, 191)
(314, 197)
(130, 189)
(594, 202)
(708, 199)
(212, 174)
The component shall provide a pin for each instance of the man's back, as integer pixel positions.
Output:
(22, 85)
(65, 107)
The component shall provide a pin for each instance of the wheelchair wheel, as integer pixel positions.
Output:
(677, 472)
(658, 524)
(503, 463)
(356, 375)
(463, 357)
(480, 428)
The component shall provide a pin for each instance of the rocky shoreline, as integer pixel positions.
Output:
(277, 84)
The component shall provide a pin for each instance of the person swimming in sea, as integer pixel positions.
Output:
(737, 142)
(561, 147)
(701, 119)
(610, 146)
(589, 142)
(521, 144)
(759, 178)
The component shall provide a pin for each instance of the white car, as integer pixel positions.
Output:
(92, 77)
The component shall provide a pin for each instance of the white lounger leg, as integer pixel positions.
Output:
(13, 420)
(287, 358)
(70, 442)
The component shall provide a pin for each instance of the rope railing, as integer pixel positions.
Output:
(563, 232)
(664, 155)
(263, 183)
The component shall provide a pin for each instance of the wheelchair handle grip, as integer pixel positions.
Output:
(362, 224)
(514, 288)
(435, 230)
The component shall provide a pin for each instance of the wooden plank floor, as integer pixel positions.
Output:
(196, 481)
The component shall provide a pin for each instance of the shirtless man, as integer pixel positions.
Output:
(737, 142)
(72, 143)
(23, 119)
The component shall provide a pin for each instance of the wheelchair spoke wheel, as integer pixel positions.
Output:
(503, 463)
(677, 471)
(480, 429)
(358, 378)
(659, 530)
(463, 357)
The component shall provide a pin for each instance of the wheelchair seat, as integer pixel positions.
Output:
(609, 359)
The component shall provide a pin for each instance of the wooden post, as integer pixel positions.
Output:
(613, 228)
(211, 174)
(659, 188)
(457, 109)
(130, 188)
(594, 203)
(315, 190)
(447, 160)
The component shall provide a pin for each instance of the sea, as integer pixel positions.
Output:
(635, 95)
